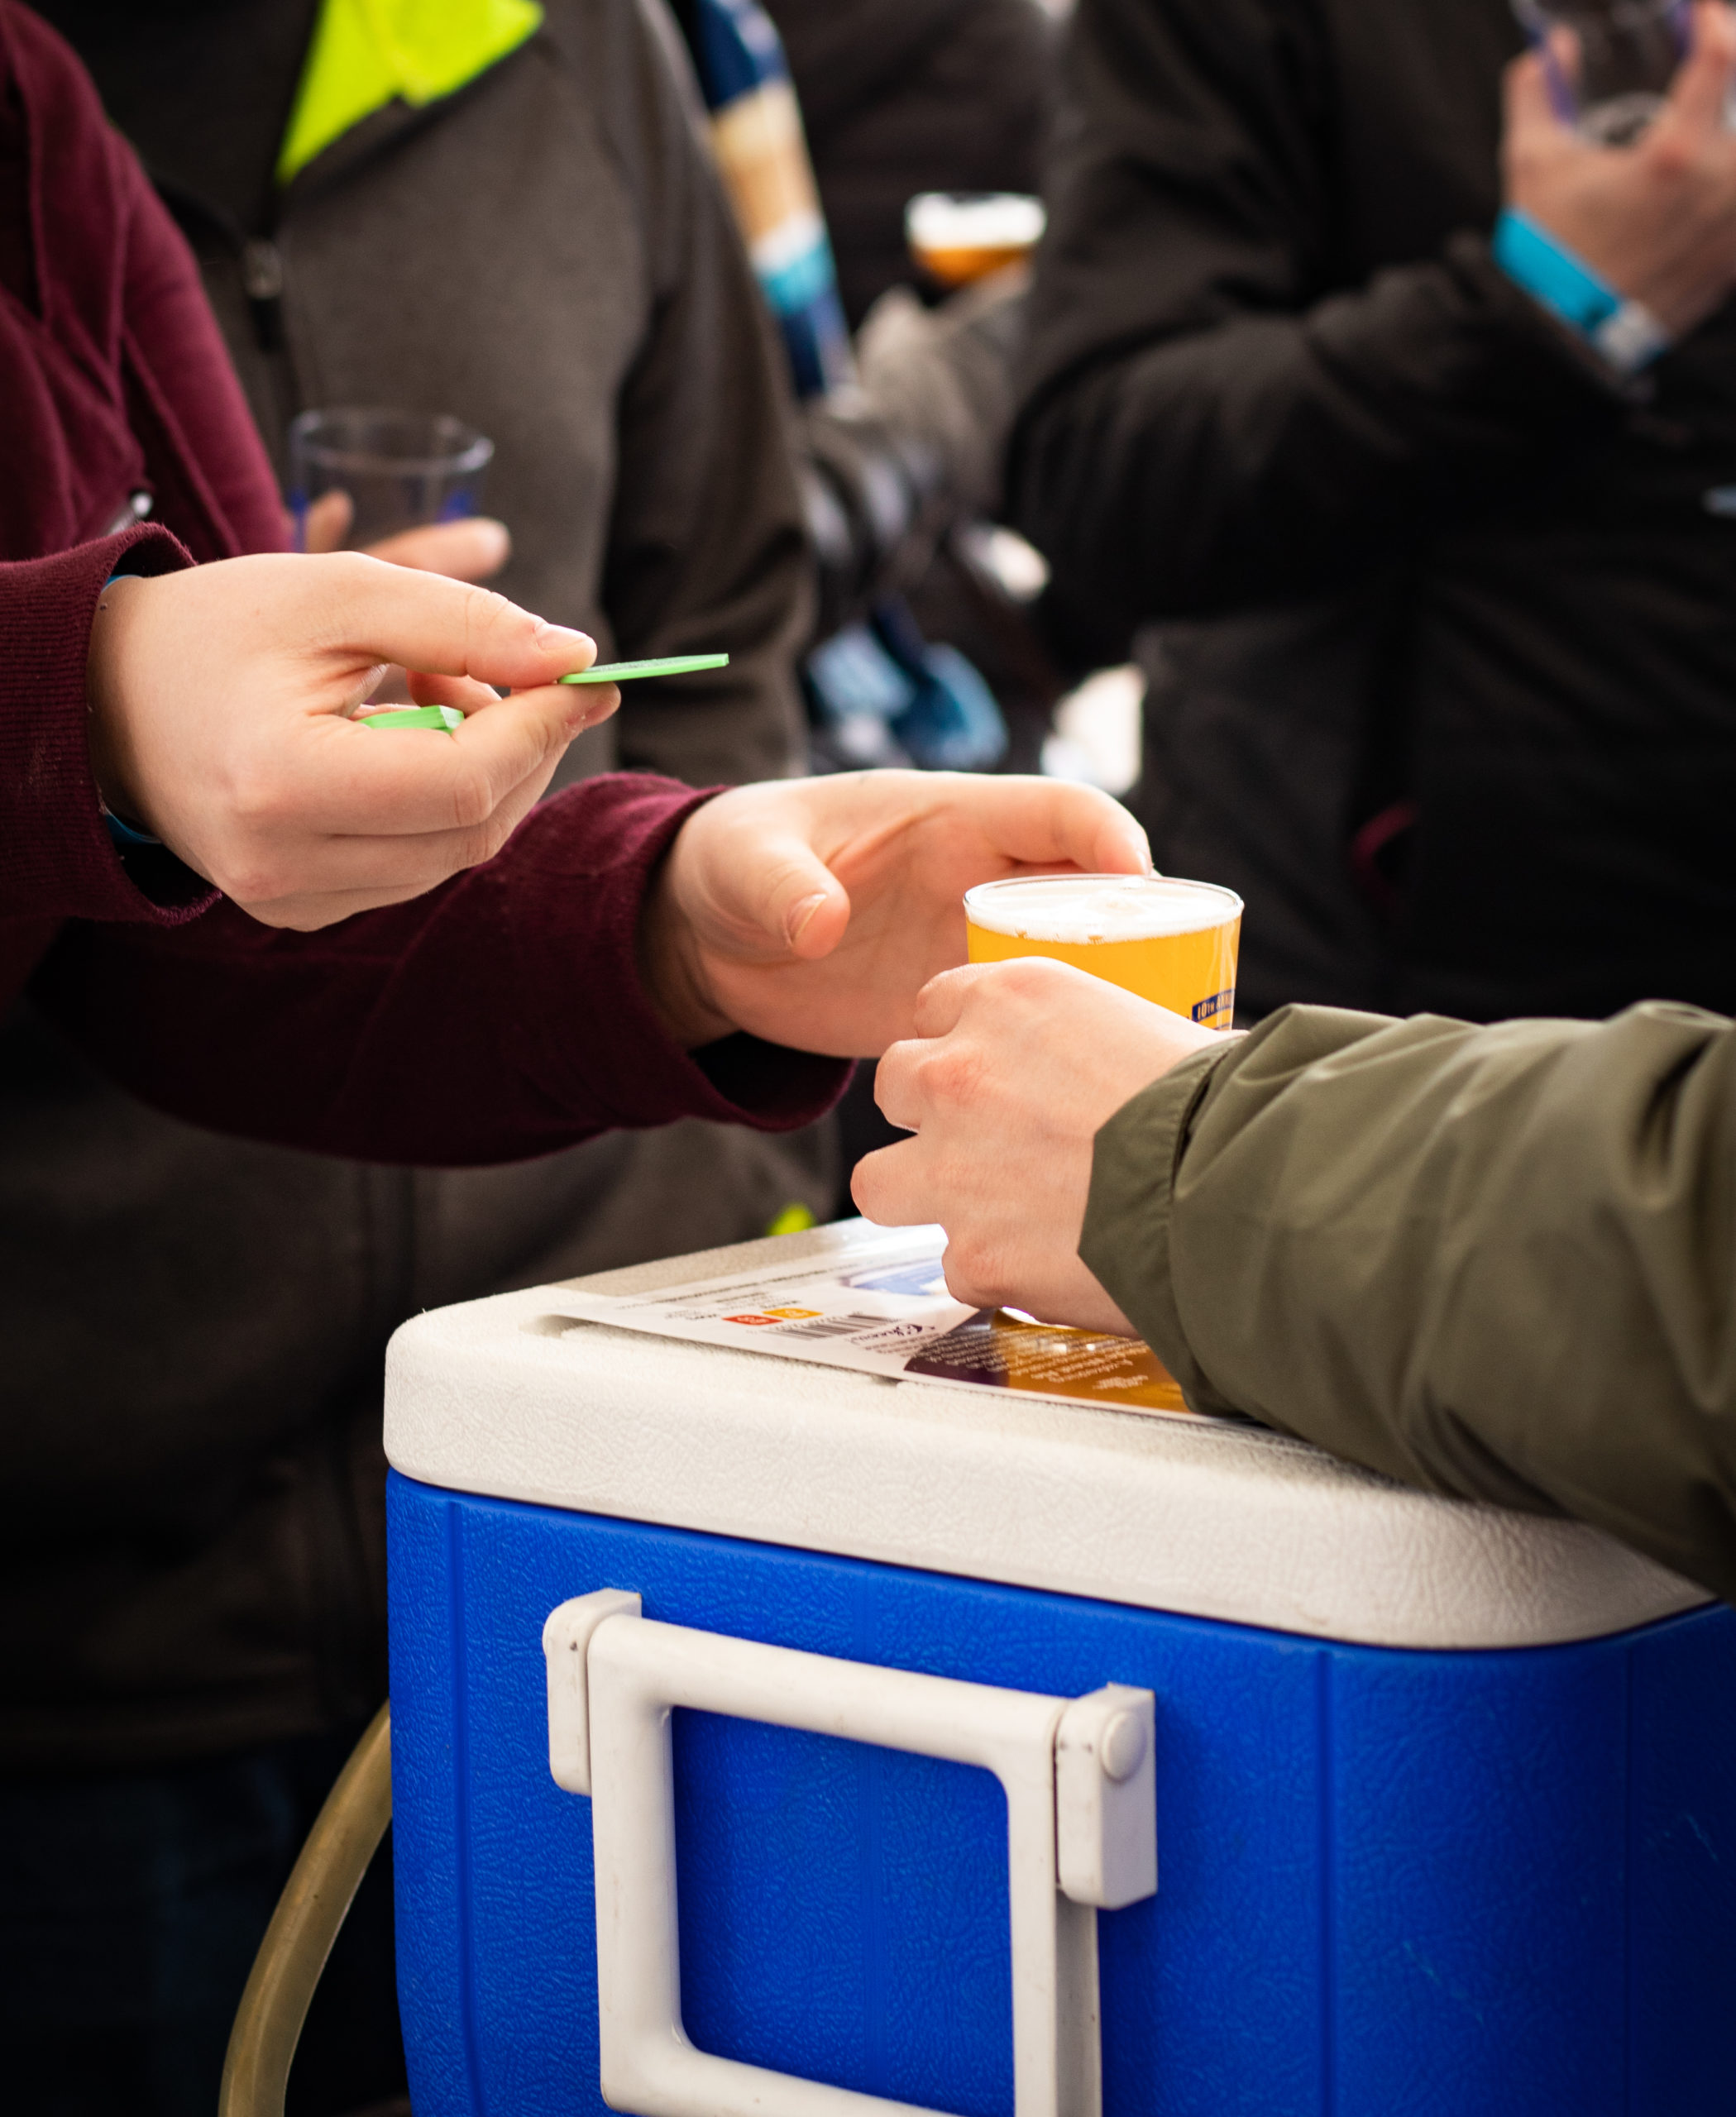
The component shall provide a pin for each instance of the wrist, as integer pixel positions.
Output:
(112, 763)
(1624, 333)
(671, 970)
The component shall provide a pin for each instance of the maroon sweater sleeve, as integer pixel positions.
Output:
(56, 858)
(500, 1016)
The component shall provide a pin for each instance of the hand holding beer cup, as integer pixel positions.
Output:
(1081, 991)
(812, 912)
(1015, 1069)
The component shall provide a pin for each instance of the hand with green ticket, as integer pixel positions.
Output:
(224, 703)
(449, 718)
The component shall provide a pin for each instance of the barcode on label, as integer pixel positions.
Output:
(833, 1326)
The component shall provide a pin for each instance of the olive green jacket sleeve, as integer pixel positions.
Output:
(1496, 1263)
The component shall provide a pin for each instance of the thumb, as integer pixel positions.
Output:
(325, 522)
(786, 901)
(809, 908)
(1530, 99)
(472, 549)
(1698, 96)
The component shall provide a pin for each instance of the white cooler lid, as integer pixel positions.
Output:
(510, 1398)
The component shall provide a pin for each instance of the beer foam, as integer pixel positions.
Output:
(1080, 909)
(997, 220)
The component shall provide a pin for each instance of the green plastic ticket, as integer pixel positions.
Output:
(446, 717)
(623, 672)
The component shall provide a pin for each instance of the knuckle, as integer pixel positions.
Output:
(473, 801)
(975, 1271)
(1672, 160)
(1034, 977)
(487, 612)
(492, 840)
(255, 799)
(251, 878)
(867, 1191)
(950, 1076)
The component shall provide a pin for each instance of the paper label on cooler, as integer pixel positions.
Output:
(885, 1310)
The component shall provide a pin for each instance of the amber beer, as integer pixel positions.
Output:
(959, 237)
(1168, 940)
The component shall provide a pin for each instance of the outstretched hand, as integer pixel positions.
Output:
(1014, 1069)
(811, 912)
(220, 704)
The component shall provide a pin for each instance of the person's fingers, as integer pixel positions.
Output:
(305, 884)
(446, 628)
(605, 702)
(1698, 95)
(473, 549)
(943, 1000)
(778, 896)
(889, 1186)
(464, 692)
(407, 781)
(1532, 117)
(1048, 822)
(393, 867)
(325, 522)
(896, 1092)
(591, 706)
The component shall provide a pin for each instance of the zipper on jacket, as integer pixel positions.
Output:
(262, 282)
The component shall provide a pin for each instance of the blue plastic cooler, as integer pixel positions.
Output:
(1443, 1799)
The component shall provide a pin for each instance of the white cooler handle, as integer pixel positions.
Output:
(1081, 1832)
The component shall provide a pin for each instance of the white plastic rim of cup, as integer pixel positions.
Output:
(1003, 225)
(1629, 51)
(1080, 909)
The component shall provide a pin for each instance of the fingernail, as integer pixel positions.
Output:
(800, 913)
(597, 703)
(568, 638)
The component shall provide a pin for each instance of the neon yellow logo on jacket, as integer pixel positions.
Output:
(368, 53)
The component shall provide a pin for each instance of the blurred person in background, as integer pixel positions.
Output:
(903, 96)
(1396, 421)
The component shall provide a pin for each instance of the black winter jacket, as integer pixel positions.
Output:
(1440, 629)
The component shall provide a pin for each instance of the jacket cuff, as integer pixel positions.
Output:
(57, 859)
(737, 1080)
(1537, 340)
(1626, 334)
(1125, 1243)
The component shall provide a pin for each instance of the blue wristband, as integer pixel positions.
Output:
(1532, 259)
(123, 834)
(1626, 335)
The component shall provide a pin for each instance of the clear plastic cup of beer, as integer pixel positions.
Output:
(1168, 940)
(957, 237)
